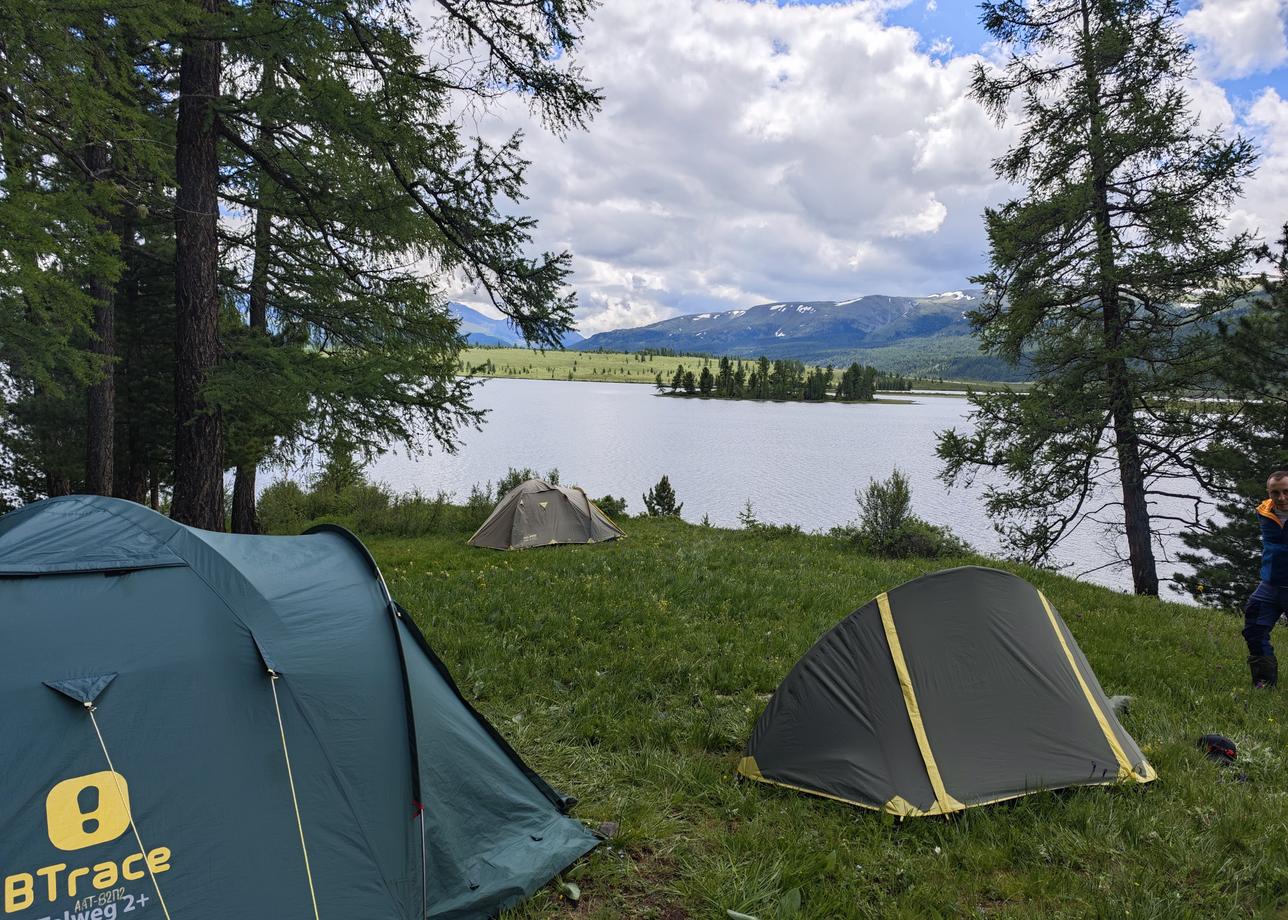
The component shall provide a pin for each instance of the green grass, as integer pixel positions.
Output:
(630, 674)
(612, 367)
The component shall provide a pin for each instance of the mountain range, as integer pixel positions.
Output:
(923, 336)
(480, 329)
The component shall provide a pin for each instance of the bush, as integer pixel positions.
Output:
(283, 508)
(747, 517)
(360, 498)
(884, 507)
(514, 477)
(888, 528)
(413, 515)
(480, 502)
(613, 507)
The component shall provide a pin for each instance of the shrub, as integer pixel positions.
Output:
(659, 501)
(884, 507)
(412, 515)
(613, 507)
(480, 501)
(888, 528)
(514, 477)
(747, 517)
(282, 508)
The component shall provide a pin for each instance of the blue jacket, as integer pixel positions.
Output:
(1274, 546)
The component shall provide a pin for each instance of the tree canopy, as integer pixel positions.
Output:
(1107, 274)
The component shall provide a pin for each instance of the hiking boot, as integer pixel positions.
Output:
(1265, 671)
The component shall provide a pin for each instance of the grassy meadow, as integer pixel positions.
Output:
(631, 673)
(609, 367)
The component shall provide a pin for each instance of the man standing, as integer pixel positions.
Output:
(1263, 608)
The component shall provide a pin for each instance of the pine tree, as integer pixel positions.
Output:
(659, 501)
(1225, 549)
(1119, 224)
(677, 379)
(706, 382)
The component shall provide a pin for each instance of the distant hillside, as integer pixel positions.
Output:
(479, 329)
(926, 336)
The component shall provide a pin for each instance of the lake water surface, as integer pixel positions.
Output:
(796, 463)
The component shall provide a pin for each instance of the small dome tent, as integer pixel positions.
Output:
(960, 688)
(215, 725)
(537, 513)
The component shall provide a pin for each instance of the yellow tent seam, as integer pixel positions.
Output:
(1124, 767)
(945, 801)
(760, 778)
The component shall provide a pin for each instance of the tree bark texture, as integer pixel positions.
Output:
(131, 480)
(198, 488)
(245, 518)
(1121, 401)
(101, 397)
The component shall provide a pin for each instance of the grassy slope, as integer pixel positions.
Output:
(606, 367)
(630, 675)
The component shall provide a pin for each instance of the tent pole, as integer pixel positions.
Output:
(424, 869)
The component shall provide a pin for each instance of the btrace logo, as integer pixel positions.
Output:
(82, 812)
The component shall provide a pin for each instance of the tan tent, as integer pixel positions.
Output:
(536, 513)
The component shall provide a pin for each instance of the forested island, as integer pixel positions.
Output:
(782, 380)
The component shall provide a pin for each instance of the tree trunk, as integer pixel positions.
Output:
(131, 480)
(57, 483)
(198, 484)
(1121, 400)
(245, 520)
(101, 395)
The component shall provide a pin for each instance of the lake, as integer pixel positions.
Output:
(796, 463)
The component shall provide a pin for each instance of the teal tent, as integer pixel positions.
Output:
(207, 725)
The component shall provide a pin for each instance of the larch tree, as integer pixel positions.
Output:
(360, 196)
(79, 160)
(199, 436)
(1107, 275)
(1224, 549)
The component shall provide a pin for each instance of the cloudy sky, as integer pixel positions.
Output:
(753, 152)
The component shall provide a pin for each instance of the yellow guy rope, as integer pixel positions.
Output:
(290, 777)
(128, 811)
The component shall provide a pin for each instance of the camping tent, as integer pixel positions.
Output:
(213, 725)
(536, 513)
(960, 688)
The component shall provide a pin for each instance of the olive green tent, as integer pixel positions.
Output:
(209, 725)
(536, 513)
(957, 689)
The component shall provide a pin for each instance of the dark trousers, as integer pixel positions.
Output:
(1260, 614)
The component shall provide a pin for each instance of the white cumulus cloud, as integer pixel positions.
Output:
(1238, 37)
(750, 152)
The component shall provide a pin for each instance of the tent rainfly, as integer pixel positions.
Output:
(204, 725)
(536, 513)
(960, 688)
